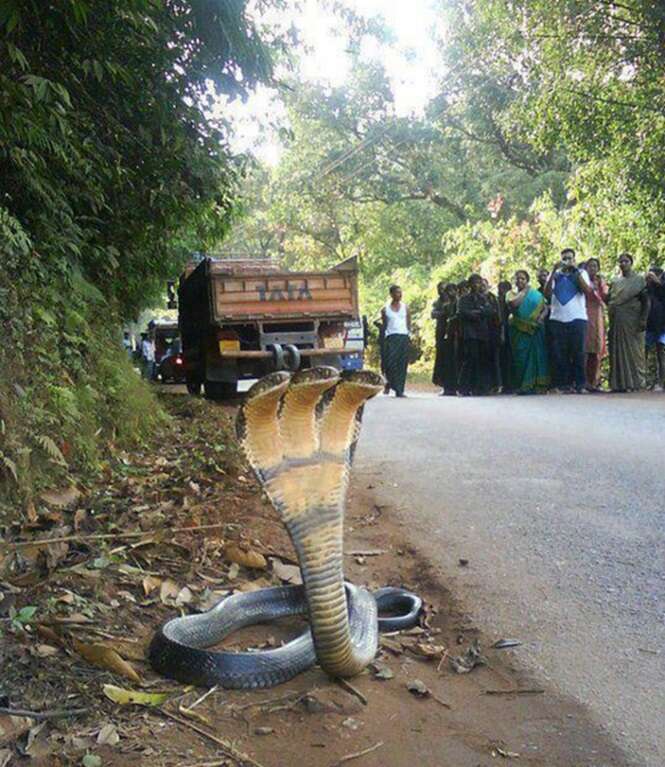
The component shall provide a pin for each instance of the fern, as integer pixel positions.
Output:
(10, 466)
(51, 449)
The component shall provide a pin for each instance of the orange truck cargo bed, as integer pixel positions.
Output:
(239, 294)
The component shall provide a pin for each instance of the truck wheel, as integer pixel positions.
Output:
(292, 357)
(277, 356)
(193, 387)
(219, 389)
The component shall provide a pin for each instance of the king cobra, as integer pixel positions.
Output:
(299, 434)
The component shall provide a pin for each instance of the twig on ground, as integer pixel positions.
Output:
(439, 701)
(107, 536)
(518, 691)
(444, 655)
(224, 744)
(353, 690)
(203, 697)
(56, 713)
(358, 754)
(295, 696)
(372, 553)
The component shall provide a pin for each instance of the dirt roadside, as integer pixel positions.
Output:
(112, 593)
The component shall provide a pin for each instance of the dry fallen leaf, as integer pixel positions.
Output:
(184, 597)
(427, 650)
(105, 657)
(61, 498)
(45, 650)
(31, 512)
(125, 648)
(150, 583)
(108, 735)
(131, 697)
(12, 727)
(191, 714)
(245, 557)
(168, 591)
(287, 573)
(80, 516)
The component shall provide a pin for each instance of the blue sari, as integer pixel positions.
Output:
(527, 339)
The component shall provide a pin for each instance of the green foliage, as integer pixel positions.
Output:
(110, 165)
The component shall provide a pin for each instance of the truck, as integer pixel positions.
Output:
(243, 318)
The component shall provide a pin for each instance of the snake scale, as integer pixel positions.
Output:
(299, 433)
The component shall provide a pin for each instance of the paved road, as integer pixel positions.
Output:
(559, 504)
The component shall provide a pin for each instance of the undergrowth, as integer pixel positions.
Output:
(68, 391)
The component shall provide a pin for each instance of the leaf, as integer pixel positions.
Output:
(46, 650)
(51, 449)
(126, 649)
(107, 658)
(25, 614)
(133, 698)
(10, 465)
(288, 573)
(184, 597)
(61, 498)
(108, 735)
(91, 760)
(168, 591)
(150, 583)
(12, 727)
(245, 557)
(427, 650)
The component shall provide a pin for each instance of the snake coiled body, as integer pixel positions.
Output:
(299, 434)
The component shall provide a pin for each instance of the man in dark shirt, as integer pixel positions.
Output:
(477, 313)
(655, 335)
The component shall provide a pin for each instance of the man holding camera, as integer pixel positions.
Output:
(567, 287)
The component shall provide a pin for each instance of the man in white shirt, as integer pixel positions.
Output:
(568, 287)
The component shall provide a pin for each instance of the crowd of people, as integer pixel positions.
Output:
(528, 340)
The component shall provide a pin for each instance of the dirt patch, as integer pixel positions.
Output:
(113, 593)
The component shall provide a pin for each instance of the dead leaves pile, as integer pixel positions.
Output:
(103, 568)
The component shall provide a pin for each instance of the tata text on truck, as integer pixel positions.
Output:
(242, 319)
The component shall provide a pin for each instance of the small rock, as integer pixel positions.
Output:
(418, 688)
(463, 562)
(263, 731)
(350, 723)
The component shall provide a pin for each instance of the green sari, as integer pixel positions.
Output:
(527, 339)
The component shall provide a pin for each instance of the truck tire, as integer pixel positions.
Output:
(277, 356)
(193, 387)
(219, 389)
(291, 357)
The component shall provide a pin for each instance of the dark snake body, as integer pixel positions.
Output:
(299, 435)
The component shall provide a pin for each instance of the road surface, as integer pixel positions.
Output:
(558, 503)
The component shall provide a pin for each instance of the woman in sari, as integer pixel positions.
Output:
(527, 336)
(628, 309)
(595, 347)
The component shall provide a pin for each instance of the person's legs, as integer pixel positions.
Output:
(559, 349)
(660, 360)
(576, 335)
(592, 370)
(468, 369)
